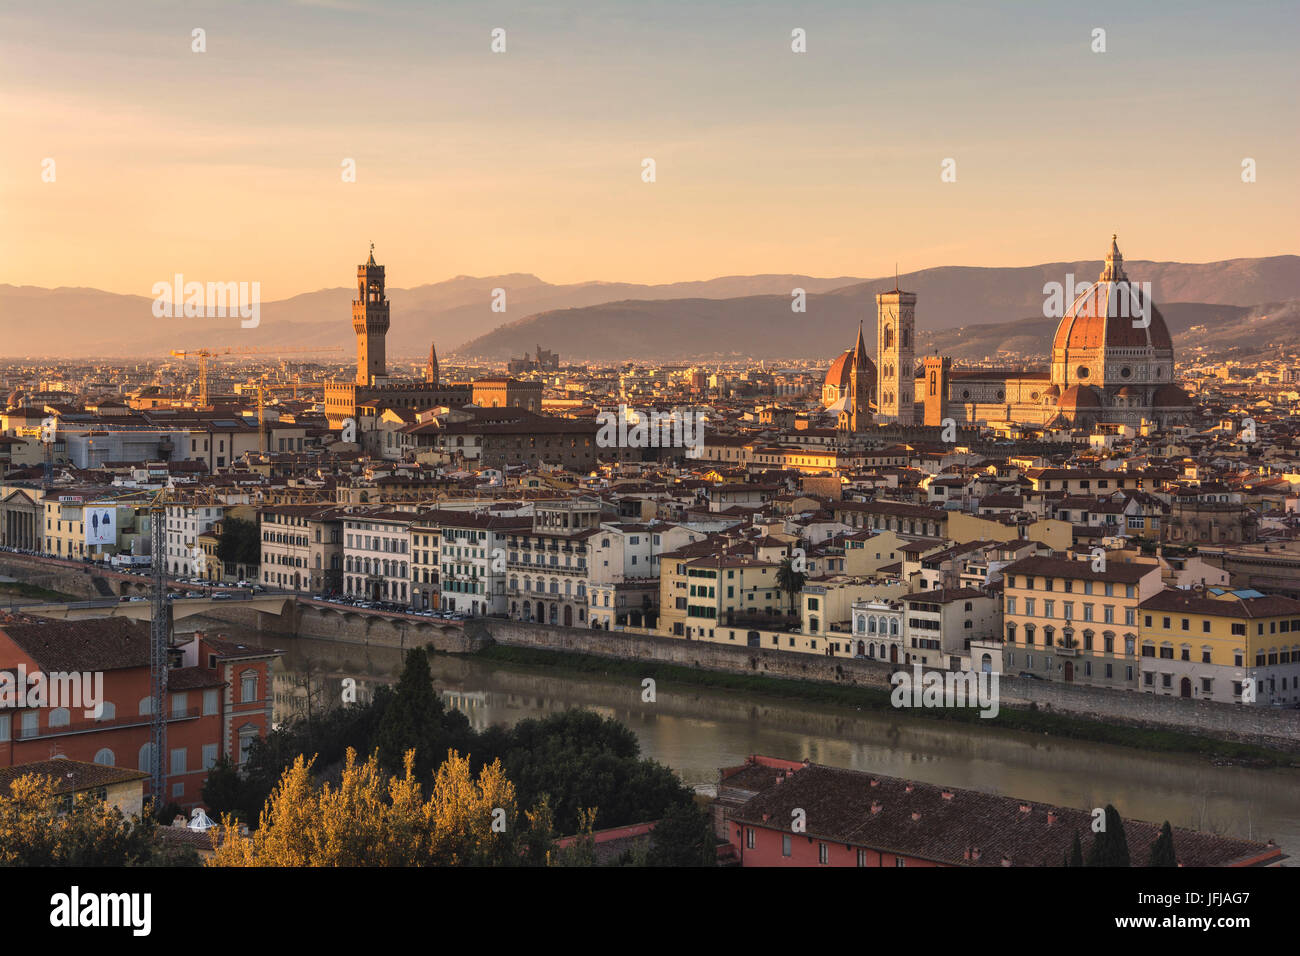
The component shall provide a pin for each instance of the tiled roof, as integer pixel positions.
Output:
(70, 776)
(945, 824)
(101, 644)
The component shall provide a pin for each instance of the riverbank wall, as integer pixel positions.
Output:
(1272, 727)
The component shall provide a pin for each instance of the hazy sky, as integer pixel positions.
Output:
(226, 165)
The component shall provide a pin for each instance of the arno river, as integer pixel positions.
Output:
(697, 730)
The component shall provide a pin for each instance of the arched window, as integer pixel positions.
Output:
(893, 627)
(59, 717)
(146, 706)
(146, 758)
(871, 625)
(108, 711)
(105, 758)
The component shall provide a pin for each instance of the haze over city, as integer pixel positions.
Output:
(624, 436)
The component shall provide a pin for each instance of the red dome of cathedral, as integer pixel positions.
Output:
(838, 376)
(1104, 313)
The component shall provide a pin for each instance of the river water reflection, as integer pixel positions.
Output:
(697, 730)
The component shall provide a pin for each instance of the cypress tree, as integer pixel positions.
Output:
(1162, 850)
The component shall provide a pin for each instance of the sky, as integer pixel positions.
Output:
(228, 164)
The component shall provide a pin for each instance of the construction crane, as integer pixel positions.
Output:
(204, 354)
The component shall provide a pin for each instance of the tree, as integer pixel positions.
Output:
(1110, 846)
(39, 828)
(789, 580)
(1076, 851)
(1162, 848)
(239, 542)
(371, 819)
(684, 837)
(414, 718)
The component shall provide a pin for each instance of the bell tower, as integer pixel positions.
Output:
(370, 321)
(896, 356)
(431, 368)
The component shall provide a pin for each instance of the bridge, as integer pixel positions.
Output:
(142, 610)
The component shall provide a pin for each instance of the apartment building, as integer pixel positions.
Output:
(377, 555)
(474, 559)
(302, 547)
(185, 523)
(218, 700)
(1065, 621)
(548, 567)
(1229, 645)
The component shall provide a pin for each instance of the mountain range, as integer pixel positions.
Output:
(967, 312)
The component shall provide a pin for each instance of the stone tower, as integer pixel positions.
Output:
(431, 369)
(934, 396)
(861, 379)
(370, 322)
(896, 356)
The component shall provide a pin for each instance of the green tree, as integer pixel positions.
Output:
(684, 837)
(239, 542)
(789, 580)
(413, 719)
(1162, 848)
(1110, 846)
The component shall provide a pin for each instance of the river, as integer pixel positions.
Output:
(697, 730)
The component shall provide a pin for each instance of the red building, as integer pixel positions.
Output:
(218, 700)
(850, 818)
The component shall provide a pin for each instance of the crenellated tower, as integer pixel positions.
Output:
(370, 322)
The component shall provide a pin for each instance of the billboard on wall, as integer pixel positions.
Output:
(101, 526)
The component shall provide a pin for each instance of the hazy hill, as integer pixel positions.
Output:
(90, 322)
(949, 298)
(730, 315)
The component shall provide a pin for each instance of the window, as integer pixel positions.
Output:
(179, 704)
(211, 701)
(785, 844)
(823, 854)
(248, 687)
(104, 757)
(209, 756)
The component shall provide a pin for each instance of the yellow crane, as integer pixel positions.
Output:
(204, 354)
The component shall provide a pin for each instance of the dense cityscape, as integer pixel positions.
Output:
(609, 438)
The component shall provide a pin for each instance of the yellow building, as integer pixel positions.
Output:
(1236, 646)
(1075, 621)
(699, 594)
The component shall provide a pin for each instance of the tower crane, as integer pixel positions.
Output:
(204, 354)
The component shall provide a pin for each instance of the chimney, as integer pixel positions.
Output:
(947, 794)
(1051, 818)
(916, 814)
(1006, 861)
(975, 854)
(1024, 808)
(876, 806)
(875, 782)
(766, 817)
(908, 788)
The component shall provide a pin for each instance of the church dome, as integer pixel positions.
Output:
(1102, 315)
(1080, 396)
(838, 376)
